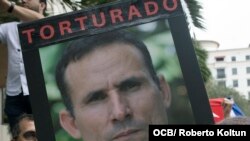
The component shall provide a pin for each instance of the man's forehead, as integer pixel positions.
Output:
(104, 66)
(114, 54)
(26, 124)
(123, 49)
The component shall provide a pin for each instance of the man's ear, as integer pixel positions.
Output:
(166, 92)
(67, 121)
(42, 7)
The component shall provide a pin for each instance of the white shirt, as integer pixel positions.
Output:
(16, 78)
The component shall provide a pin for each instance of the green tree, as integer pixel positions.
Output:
(202, 56)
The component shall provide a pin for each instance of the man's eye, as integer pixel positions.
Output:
(97, 97)
(131, 86)
(30, 135)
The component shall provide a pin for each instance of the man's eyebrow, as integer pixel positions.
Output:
(91, 94)
(94, 93)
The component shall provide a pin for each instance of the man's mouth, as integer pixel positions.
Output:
(125, 134)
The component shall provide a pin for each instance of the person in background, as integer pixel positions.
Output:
(241, 120)
(110, 89)
(24, 129)
(17, 99)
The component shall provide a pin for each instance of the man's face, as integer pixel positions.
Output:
(28, 132)
(31, 4)
(113, 95)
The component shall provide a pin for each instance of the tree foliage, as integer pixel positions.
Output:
(194, 8)
(202, 57)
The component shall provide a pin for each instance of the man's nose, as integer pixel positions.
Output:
(120, 107)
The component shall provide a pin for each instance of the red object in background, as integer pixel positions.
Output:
(217, 109)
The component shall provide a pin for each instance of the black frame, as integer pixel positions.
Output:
(182, 40)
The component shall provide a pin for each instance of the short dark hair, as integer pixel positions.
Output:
(15, 131)
(79, 48)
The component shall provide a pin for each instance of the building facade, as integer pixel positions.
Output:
(230, 68)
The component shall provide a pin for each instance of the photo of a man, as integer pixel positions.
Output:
(110, 89)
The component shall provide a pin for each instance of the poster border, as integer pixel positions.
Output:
(185, 52)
